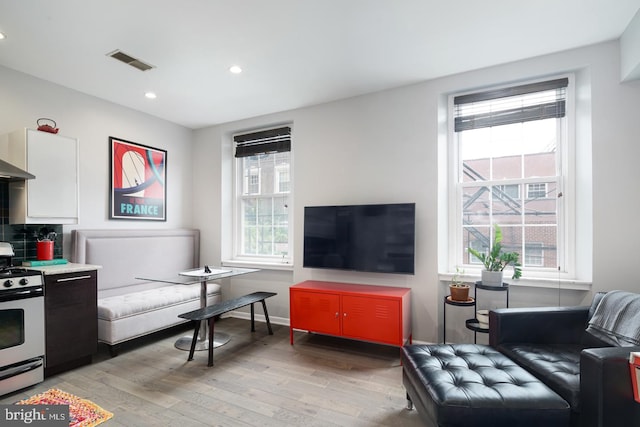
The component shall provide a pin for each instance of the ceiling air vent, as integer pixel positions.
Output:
(130, 60)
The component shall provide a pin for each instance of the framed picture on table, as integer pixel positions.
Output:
(138, 181)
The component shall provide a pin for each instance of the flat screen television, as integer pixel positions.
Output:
(371, 238)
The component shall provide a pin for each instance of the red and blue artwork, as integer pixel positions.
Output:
(138, 174)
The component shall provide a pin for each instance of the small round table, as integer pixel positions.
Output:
(448, 301)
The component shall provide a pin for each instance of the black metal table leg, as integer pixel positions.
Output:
(211, 332)
(253, 324)
(195, 339)
(266, 316)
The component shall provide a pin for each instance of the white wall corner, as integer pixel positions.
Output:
(630, 51)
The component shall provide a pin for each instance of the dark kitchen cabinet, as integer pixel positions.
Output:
(71, 320)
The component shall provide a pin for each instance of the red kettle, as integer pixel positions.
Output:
(45, 127)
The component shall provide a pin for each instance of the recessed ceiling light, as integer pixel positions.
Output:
(151, 95)
(2, 36)
(235, 69)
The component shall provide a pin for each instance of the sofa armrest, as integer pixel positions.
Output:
(538, 325)
(606, 393)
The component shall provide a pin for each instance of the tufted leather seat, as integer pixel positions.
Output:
(476, 386)
(558, 364)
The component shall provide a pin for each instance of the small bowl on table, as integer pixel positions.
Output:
(483, 318)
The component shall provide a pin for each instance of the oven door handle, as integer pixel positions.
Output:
(16, 294)
(14, 371)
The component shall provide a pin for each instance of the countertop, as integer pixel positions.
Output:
(65, 268)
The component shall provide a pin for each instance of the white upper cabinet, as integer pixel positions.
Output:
(52, 197)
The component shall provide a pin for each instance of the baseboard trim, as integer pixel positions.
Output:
(258, 317)
(285, 322)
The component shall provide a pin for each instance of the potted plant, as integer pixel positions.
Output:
(495, 261)
(458, 289)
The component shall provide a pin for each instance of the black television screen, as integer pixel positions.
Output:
(372, 238)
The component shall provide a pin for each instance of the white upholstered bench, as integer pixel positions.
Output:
(128, 307)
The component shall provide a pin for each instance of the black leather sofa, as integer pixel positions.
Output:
(587, 367)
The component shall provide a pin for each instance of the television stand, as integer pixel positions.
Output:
(380, 314)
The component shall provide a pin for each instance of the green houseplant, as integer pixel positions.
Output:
(496, 260)
(457, 288)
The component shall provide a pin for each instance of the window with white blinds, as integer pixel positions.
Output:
(508, 147)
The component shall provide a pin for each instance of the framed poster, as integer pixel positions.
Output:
(138, 181)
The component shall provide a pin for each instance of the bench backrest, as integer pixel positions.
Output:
(126, 254)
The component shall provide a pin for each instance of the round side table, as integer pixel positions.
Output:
(448, 301)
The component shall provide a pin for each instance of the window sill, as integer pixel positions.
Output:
(530, 282)
(262, 265)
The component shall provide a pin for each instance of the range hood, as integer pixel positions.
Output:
(9, 172)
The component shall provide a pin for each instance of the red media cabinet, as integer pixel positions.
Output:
(380, 314)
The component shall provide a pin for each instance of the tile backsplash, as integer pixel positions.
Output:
(23, 237)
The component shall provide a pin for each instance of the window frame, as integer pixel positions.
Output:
(247, 185)
(240, 184)
(506, 188)
(565, 189)
(279, 170)
(536, 245)
(543, 190)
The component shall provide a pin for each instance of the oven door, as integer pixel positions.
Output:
(21, 326)
(21, 375)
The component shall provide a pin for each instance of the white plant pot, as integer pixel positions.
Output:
(492, 278)
(483, 318)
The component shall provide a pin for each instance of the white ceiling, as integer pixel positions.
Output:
(294, 53)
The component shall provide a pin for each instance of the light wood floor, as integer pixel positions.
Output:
(257, 380)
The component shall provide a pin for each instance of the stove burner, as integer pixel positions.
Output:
(16, 272)
(8, 271)
(19, 277)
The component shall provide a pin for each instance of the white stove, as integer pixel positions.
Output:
(21, 324)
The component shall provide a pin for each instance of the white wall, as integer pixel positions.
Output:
(383, 147)
(24, 99)
(630, 50)
(376, 148)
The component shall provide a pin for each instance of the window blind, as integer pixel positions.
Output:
(536, 101)
(263, 142)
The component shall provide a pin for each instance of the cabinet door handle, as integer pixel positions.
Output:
(69, 279)
(345, 314)
(337, 314)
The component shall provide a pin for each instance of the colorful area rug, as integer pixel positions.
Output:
(82, 412)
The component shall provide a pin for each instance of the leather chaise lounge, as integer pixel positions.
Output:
(476, 386)
(578, 354)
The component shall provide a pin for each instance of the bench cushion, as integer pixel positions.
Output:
(474, 385)
(147, 319)
(134, 303)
